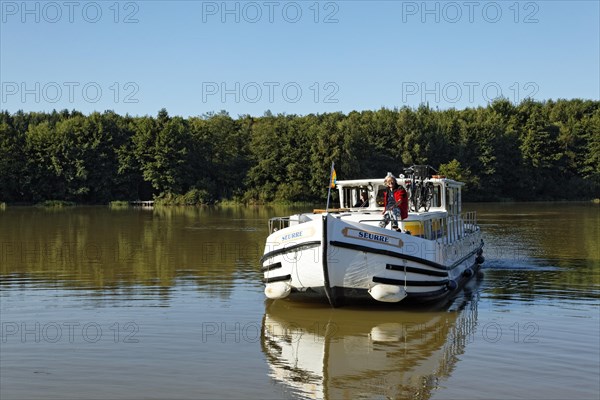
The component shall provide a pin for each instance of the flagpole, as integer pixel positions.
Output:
(330, 183)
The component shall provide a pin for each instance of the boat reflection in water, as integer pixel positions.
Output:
(332, 354)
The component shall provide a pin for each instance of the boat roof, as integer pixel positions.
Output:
(379, 181)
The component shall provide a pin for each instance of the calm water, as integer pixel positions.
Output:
(130, 304)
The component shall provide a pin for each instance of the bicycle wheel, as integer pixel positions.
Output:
(414, 198)
(427, 196)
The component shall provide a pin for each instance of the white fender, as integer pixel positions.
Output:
(387, 293)
(277, 290)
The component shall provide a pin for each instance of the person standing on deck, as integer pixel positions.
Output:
(395, 200)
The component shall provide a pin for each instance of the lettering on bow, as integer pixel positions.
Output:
(372, 237)
(290, 236)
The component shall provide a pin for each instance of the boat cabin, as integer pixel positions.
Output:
(363, 201)
(446, 194)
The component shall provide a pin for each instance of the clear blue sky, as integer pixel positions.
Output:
(194, 57)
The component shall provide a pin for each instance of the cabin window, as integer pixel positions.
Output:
(351, 197)
(436, 228)
(348, 197)
(379, 196)
(452, 201)
(428, 234)
(436, 200)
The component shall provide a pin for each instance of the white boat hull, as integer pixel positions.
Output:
(342, 260)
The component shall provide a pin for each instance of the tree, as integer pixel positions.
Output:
(161, 149)
(12, 160)
(525, 151)
(541, 153)
(454, 170)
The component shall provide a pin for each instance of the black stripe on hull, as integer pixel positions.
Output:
(287, 277)
(420, 271)
(390, 253)
(289, 249)
(427, 296)
(400, 282)
(270, 267)
(403, 256)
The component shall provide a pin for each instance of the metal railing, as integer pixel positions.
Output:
(456, 227)
(470, 221)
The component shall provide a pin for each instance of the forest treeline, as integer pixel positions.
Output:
(529, 151)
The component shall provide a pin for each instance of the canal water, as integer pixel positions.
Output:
(102, 303)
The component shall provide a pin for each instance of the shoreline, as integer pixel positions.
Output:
(230, 203)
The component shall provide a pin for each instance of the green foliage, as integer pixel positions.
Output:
(454, 170)
(194, 197)
(526, 151)
(118, 204)
(12, 159)
(56, 204)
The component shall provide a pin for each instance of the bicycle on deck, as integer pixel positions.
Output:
(420, 190)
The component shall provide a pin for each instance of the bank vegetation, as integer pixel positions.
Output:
(529, 151)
